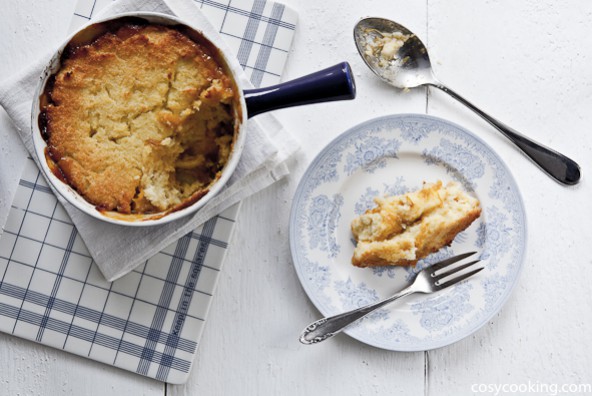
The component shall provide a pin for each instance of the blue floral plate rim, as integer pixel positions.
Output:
(357, 332)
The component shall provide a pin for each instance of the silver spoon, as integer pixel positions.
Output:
(406, 64)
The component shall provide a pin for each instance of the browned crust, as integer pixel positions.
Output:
(394, 220)
(427, 242)
(138, 67)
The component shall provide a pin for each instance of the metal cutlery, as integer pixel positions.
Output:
(430, 280)
(410, 67)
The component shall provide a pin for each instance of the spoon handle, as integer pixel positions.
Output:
(556, 165)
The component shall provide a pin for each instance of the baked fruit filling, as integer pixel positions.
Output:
(403, 229)
(140, 120)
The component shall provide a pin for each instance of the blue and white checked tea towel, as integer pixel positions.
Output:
(149, 321)
(119, 249)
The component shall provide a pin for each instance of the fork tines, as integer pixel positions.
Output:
(440, 270)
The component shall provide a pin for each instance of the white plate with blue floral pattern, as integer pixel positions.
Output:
(393, 155)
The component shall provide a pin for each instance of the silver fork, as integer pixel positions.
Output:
(427, 281)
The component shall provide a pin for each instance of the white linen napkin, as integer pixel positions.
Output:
(119, 249)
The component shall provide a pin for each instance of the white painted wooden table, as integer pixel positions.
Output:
(527, 63)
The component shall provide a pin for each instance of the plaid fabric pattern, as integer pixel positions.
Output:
(149, 321)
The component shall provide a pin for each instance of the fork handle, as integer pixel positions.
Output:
(326, 328)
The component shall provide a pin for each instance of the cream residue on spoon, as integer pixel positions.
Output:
(383, 47)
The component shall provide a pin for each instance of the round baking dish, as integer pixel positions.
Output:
(333, 83)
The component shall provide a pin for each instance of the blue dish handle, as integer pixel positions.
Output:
(334, 83)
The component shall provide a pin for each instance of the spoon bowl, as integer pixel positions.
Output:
(410, 67)
(399, 57)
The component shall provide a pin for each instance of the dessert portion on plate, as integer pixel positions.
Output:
(403, 229)
(141, 119)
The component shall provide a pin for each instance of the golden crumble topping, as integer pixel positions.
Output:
(140, 120)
